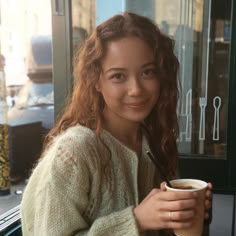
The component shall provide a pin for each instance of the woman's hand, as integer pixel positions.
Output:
(208, 200)
(163, 209)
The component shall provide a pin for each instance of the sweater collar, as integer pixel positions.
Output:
(107, 135)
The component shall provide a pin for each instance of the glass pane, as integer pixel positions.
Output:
(201, 29)
(202, 46)
(26, 92)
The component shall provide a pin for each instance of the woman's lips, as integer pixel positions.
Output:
(136, 105)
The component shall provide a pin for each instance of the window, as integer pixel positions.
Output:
(26, 92)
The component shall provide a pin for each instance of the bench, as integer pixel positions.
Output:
(10, 222)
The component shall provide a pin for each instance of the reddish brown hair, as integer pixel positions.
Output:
(86, 104)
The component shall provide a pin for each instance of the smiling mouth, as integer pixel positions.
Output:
(136, 105)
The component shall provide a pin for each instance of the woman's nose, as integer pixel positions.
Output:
(135, 87)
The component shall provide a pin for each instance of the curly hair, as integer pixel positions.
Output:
(86, 104)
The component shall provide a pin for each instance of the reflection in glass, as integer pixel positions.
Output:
(83, 21)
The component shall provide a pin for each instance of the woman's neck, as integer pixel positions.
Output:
(129, 134)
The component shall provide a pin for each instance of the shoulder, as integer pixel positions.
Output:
(75, 140)
(77, 133)
(70, 152)
(69, 159)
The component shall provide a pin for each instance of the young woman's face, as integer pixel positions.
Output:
(129, 81)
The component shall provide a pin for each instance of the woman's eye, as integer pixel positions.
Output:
(150, 73)
(117, 76)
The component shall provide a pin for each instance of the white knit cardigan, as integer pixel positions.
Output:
(83, 186)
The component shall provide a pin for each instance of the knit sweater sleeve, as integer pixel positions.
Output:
(119, 223)
(58, 201)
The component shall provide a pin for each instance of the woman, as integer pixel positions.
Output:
(95, 176)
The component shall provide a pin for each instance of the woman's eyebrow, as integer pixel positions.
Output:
(114, 69)
(149, 64)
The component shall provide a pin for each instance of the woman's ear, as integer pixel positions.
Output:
(97, 87)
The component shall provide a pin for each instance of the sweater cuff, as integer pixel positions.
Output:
(127, 222)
